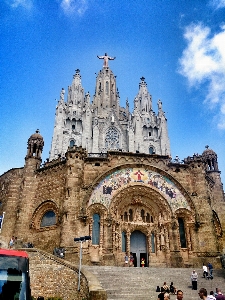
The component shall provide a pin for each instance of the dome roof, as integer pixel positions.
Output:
(208, 151)
(36, 135)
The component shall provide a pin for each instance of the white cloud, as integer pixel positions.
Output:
(218, 3)
(203, 61)
(74, 6)
(27, 4)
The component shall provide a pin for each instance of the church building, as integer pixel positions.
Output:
(110, 176)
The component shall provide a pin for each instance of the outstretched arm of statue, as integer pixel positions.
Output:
(111, 58)
(101, 57)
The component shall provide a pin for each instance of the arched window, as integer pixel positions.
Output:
(124, 241)
(130, 215)
(73, 123)
(72, 143)
(125, 217)
(183, 243)
(148, 218)
(151, 150)
(48, 219)
(96, 229)
(68, 123)
(143, 215)
(153, 242)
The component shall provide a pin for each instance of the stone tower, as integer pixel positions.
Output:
(35, 146)
(102, 124)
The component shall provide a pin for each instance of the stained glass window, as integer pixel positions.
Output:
(96, 229)
(153, 242)
(48, 219)
(124, 241)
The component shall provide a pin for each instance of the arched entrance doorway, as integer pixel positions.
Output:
(138, 247)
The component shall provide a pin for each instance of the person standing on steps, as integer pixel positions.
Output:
(11, 242)
(142, 262)
(210, 268)
(131, 259)
(194, 278)
(126, 260)
(205, 271)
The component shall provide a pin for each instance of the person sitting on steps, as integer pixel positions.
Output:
(165, 288)
(173, 290)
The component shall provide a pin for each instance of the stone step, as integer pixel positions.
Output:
(123, 283)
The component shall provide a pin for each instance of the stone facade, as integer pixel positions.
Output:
(103, 125)
(128, 199)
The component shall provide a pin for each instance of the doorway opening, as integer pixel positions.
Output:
(138, 247)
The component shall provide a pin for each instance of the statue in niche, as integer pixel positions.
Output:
(162, 237)
(138, 216)
(159, 104)
(96, 121)
(160, 220)
(62, 93)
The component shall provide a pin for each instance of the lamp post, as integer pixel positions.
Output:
(81, 240)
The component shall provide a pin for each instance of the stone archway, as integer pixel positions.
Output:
(139, 199)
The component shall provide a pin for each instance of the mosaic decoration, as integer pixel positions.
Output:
(107, 188)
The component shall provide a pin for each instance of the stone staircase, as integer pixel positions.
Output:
(124, 283)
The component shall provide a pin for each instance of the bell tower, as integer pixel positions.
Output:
(35, 146)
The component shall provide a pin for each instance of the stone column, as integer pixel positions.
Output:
(188, 238)
(149, 247)
(101, 236)
(90, 226)
(105, 227)
(128, 241)
(157, 246)
(176, 257)
(171, 242)
(113, 236)
(167, 243)
(194, 238)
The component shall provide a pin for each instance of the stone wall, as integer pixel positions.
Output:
(52, 277)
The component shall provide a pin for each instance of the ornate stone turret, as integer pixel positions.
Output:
(150, 130)
(144, 102)
(209, 157)
(35, 145)
(106, 95)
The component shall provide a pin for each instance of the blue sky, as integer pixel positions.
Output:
(178, 46)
